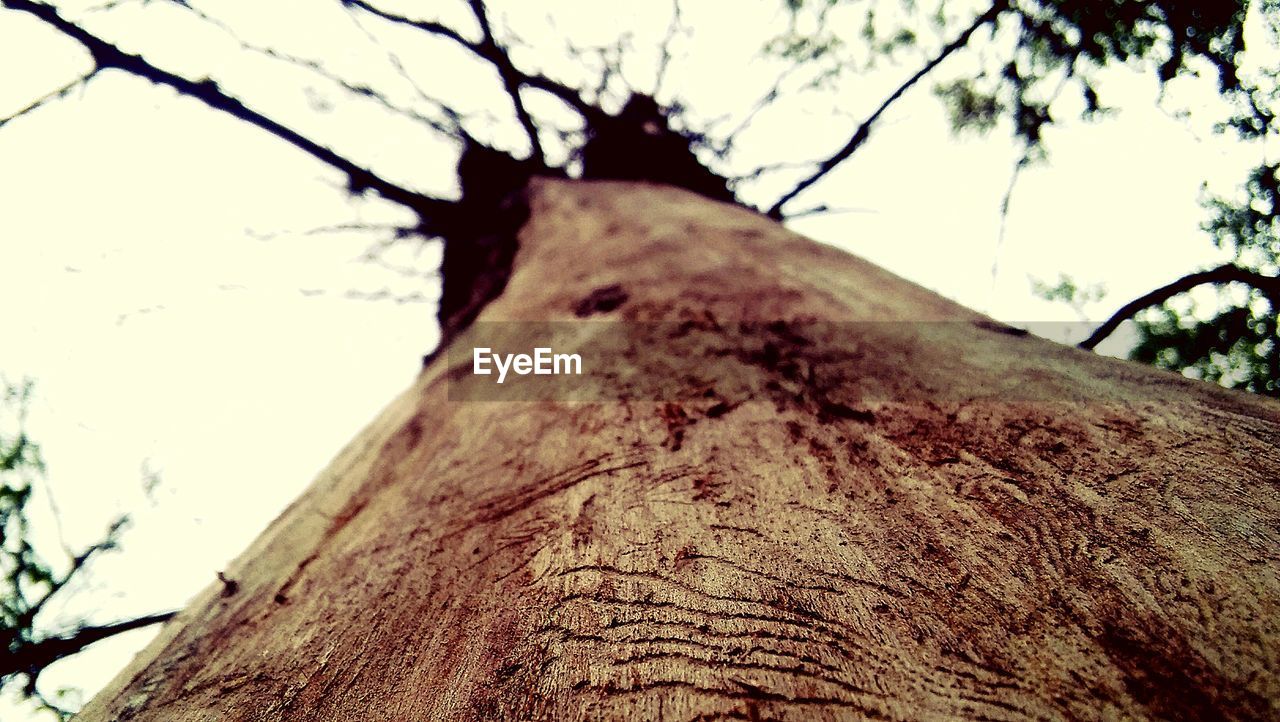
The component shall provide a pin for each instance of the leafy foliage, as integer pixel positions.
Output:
(1068, 291)
(1247, 224)
(1058, 44)
(1234, 343)
(23, 571)
(969, 108)
(1236, 347)
(30, 580)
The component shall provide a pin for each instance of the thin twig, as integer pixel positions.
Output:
(107, 55)
(664, 56)
(385, 294)
(511, 78)
(1005, 201)
(113, 4)
(58, 94)
(396, 229)
(825, 209)
(864, 130)
(493, 55)
(454, 118)
(360, 90)
(764, 101)
(771, 168)
(426, 26)
(1024, 160)
(78, 562)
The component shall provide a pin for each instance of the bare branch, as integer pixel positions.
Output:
(78, 562)
(824, 209)
(405, 271)
(1024, 159)
(364, 91)
(58, 94)
(426, 26)
(113, 4)
(395, 229)
(1227, 273)
(762, 170)
(864, 131)
(511, 78)
(493, 55)
(454, 118)
(107, 55)
(31, 658)
(763, 102)
(399, 231)
(1030, 152)
(386, 294)
(664, 57)
(610, 57)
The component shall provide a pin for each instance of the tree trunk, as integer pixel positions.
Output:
(874, 504)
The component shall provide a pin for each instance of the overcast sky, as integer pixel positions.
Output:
(162, 288)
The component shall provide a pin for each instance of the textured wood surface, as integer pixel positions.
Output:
(890, 520)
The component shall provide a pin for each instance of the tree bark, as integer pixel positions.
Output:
(890, 507)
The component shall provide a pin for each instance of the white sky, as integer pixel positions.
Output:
(157, 285)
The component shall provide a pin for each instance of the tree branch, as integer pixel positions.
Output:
(494, 56)
(357, 89)
(426, 26)
(40, 102)
(511, 79)
(452, 115)
(1006, 202)
(32, 657)
(664, 50)
(764, 101)
(1227, 273)
(825, 209)
(78, 562)
(864, 131)
(107, 55)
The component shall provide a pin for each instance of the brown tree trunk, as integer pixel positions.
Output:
(923, 516)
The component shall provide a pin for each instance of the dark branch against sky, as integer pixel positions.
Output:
(1044, 26)
(1227, 273)
(863, 130)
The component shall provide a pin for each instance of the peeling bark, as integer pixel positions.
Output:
(865, 524)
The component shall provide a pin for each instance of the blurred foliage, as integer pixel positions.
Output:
(1236, 347)
(23, 570)
(1246, 223)
(1040, 49)
(29, 579)
(969, 109)
(1067, 291)
(1232, 340)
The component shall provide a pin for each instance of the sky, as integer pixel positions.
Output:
(182, 291)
